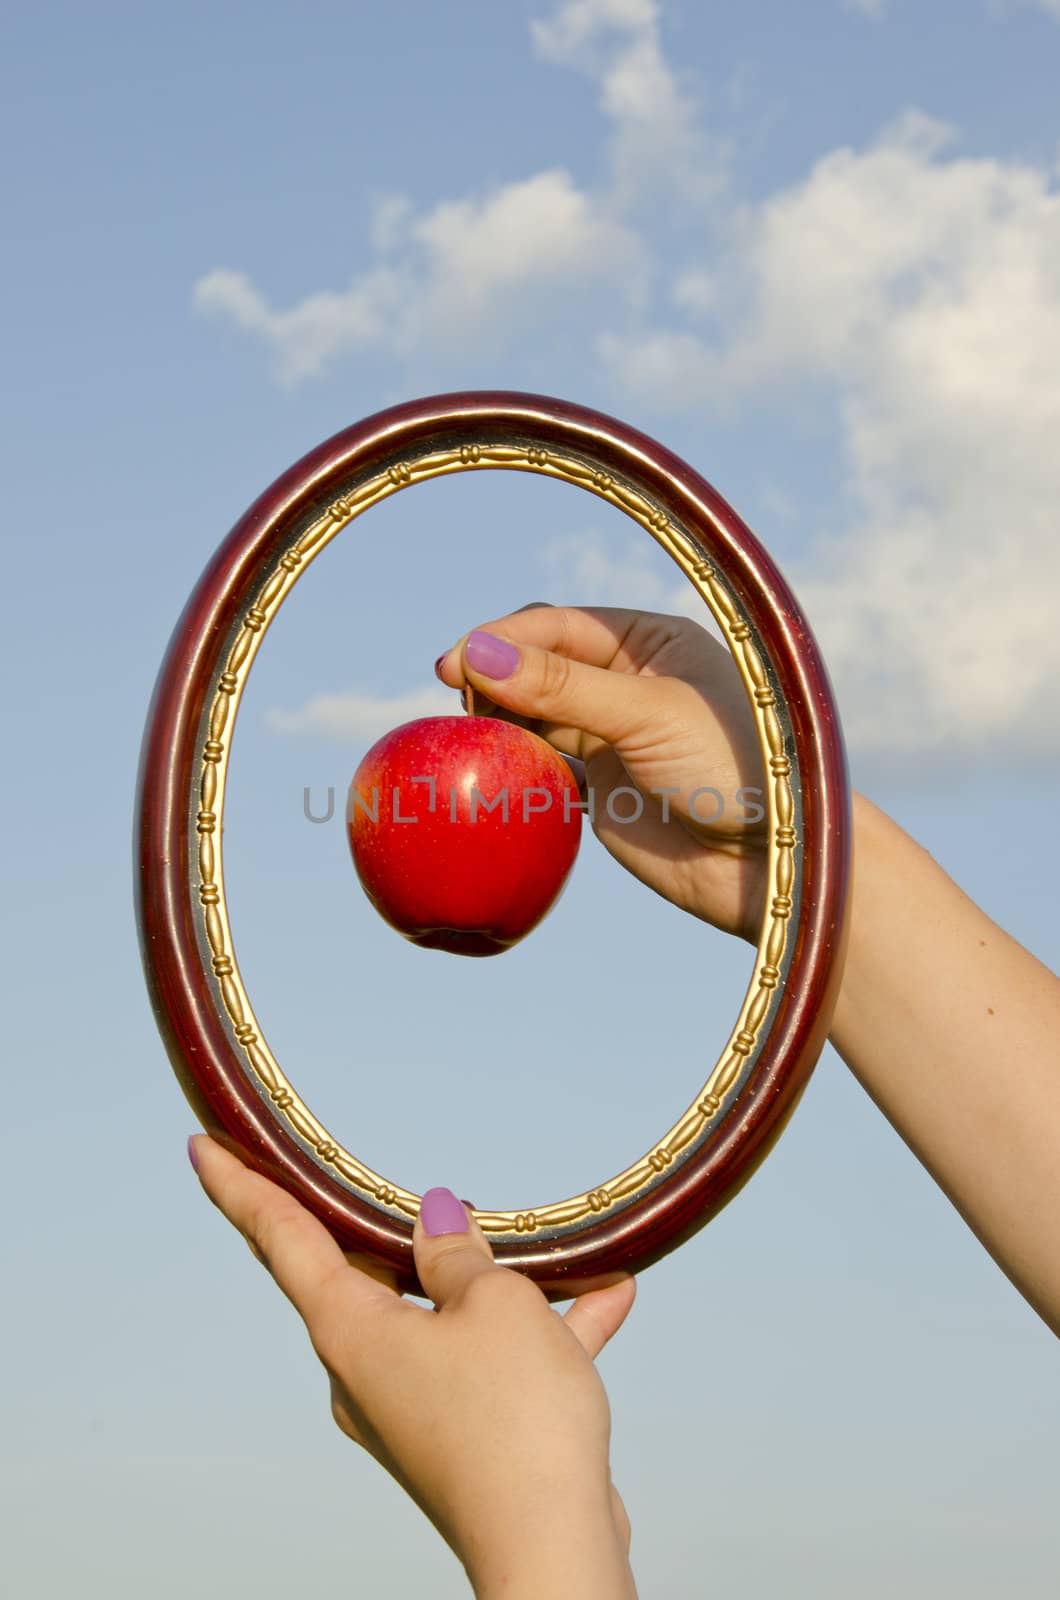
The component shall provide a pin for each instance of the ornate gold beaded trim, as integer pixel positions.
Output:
(784, 843)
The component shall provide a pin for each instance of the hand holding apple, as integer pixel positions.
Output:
(656, 709)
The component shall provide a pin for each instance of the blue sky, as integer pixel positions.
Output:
(814, 250)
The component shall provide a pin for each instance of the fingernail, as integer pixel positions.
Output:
(494, 658)
(192, 1157)
(469, 1203)
(440, 663)
(442, 1212)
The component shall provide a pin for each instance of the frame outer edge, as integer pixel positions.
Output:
(201, 1054)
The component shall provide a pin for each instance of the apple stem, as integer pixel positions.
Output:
(469, 700)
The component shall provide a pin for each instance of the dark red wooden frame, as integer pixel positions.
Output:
(207, 1062)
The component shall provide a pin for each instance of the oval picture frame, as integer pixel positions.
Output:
(237, 1088)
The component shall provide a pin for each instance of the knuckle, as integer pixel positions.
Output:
(555, 680)
(326, 1321)
(343, 1414)
(255, 1249)
(325, 1335)
(501, 1292)
(340, 1414)
(446, 1248)
(271, 1227)
(563, 621)
(685, 631)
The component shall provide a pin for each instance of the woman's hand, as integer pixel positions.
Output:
(936, 1000)
(487, 1410)
(651, 704)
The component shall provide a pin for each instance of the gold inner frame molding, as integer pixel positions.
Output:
(784, 862)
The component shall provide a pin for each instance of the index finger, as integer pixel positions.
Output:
(296, 1248)
(594, 635)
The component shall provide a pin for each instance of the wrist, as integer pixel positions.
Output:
(883, 856)
(576, 1553)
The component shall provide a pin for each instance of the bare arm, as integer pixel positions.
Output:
(950, 1025)
(954, 1030)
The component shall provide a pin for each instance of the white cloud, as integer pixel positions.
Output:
(474, 270)
(671, 368)
(389, 226)
(577, 23)
(320, 327)
(696, 291)
(524, 239)
(354, 717)
(868, 8)
(476, 266)
(910, 293)
(920, 293)
(591, 570)
(657, 140)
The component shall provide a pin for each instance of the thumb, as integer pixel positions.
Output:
(448, 1246)
(553, 688)
(596, 1316)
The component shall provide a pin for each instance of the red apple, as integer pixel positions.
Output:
(463, 831)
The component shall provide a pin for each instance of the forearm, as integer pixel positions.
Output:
(576, 1552)
(954, 1030)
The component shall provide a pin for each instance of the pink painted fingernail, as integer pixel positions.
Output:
(442, 1212)
(192, 1157)
(493, 657)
